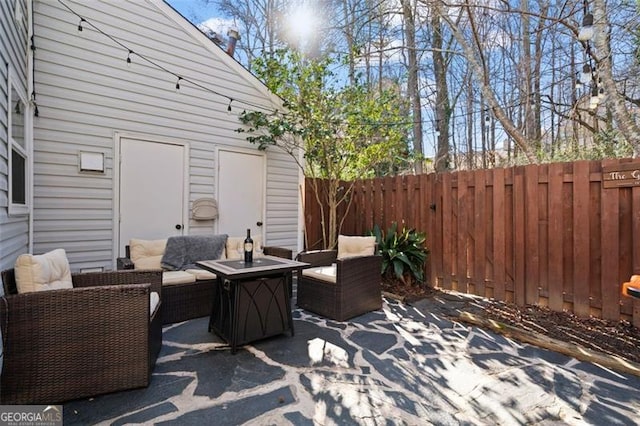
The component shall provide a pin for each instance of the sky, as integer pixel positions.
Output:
(195, 11)
(204, 14)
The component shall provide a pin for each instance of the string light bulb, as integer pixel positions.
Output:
(578, 82)
(229, 106)
(586, 30)
(601, 94)
(594, 100)
(148, 60)
(178, 84)
(586, 75)
(36, 112)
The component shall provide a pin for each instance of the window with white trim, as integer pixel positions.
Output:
(18, 150)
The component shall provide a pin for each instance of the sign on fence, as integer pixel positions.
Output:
(621, 175)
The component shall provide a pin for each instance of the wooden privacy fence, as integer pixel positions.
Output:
(562, 235)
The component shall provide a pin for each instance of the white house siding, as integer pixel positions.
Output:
(14, 236)
(86, 93)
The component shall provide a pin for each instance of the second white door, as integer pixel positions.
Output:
(240, 192)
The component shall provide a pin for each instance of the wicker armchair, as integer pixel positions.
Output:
(65, 344)
(356, 290)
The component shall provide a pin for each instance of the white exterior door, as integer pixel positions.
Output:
(240, 192)
(152, 185)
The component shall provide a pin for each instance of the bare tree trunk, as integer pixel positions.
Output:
(470, 115)
(484, 134)
(554, 131)
(380, 57)
(527, 99)
(536, 77)
(413, 89)
(442, 108)
(367, 58)
(627, 125)
(476, 61)
(348, 33)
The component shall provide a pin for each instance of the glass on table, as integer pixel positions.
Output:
(240, 250)
(258, 250)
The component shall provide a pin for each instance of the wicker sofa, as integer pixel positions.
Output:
(339, 285)
(97, 337)
(183, 300)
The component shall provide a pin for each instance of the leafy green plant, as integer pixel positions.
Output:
(340, 130)
(403, 252)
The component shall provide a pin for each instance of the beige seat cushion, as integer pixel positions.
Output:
(177, 277)
(201, 274)
(324, 273)
(355, 246)
(154, 300)
(235, 243)
(48, 271)
(147, 254)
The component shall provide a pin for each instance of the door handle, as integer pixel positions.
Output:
(258, 223)
(178, 227)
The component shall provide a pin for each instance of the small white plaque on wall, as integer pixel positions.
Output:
(91, 161)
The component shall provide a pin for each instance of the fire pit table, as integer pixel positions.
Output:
(251, 300)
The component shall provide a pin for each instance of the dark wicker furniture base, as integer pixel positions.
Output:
(66, 344)
(357, 289)
(182, 302)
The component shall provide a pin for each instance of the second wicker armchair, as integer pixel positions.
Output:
(340, 285)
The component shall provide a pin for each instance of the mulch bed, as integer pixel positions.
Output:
(615, 339)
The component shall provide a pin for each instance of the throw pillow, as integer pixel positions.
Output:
(147, 254)
(355, 246)
(235, 247)
(48, 271)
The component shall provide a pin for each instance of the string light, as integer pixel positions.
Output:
(36, 112)
(80, 24)
(117, 41)
(594, 100)
(578, 82)
(260, 107)
(601, 93)
(586, 31)
(586, 76)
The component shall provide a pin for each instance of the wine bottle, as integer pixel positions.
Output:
(248, 248)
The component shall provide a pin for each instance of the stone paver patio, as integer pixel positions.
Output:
(402, 365)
